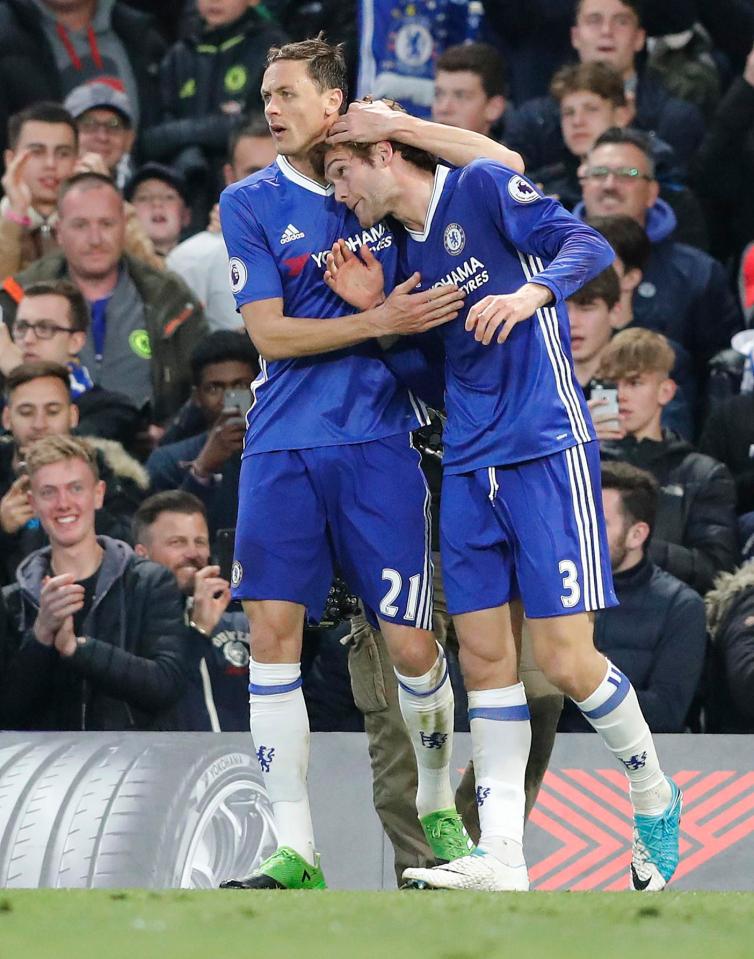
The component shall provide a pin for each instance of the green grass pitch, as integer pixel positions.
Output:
(131, 924)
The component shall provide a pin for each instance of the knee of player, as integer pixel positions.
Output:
(559, 667)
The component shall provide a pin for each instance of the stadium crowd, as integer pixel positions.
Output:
(126, 367)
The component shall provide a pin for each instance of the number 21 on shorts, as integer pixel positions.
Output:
(394, 578)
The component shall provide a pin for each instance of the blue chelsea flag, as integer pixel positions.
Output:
(400, 41)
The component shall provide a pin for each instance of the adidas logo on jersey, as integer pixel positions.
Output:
(290, 233)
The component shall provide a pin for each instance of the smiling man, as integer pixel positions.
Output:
(96, 635)
(39, 404)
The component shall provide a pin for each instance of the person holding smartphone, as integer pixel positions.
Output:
(208, 463)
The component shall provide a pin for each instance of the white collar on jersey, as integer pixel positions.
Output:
(441, 174)
(304, 181)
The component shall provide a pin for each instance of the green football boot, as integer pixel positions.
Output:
(284, 869)
(446, 835)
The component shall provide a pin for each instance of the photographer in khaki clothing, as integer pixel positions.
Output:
(375, 691)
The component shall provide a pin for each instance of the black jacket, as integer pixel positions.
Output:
(132, 668)
(126, 485)
(199, 76)
(534, 128)
(168, 468)
(730, 614)
(28, 71)
(658, 638)
(728, 436)
(694, 536)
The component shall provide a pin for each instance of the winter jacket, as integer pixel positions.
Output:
(174, 321)
(685, 293)
(28, 72)
(722, 171)
(217, 696)
(128, 674)
(694, 536)
(657, 636)
(730, 615)
(728, 436)
(168, 468)
(126, 485)
(534, 128)
(206, 83)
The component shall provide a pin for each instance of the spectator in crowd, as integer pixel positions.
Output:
(47, 48)
(202, 259)
(657, 636)
(632, 248)
(208, 464)
(469, 87)
(42, 145)
(722, 170)
(160, 198)
(593, 314)
(730, 615)
(105, 123)
(144, 322)
(51, 324)
(592, 99)
(608, 31)
(207, 82)
(694, 535)
(683, 288)
(170, 528)
(96, 634)
(38, 404)
(44, 156)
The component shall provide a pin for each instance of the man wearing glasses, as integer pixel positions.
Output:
(51, 325)
(105, 123)
(684, 293)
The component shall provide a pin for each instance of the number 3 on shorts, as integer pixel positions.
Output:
(568, 571)
(387, 606)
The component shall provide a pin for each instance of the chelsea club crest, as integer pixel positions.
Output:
(454, 238)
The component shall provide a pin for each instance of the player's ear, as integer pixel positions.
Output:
(382, 152)
(334, 102)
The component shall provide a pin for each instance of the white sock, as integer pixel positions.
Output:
(426, 704)
(614, 712)
(500, 740)
(280, 730)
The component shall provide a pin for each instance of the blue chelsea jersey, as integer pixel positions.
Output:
(279, 226)
(490, 230)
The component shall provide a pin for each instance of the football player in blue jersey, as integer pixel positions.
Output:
(521, 512)
(329, 475)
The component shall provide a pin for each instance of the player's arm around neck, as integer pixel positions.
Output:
(280, 337)
(368, 122)
(453, 144)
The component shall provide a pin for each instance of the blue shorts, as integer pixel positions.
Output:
(532, 530)
(362, 509)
